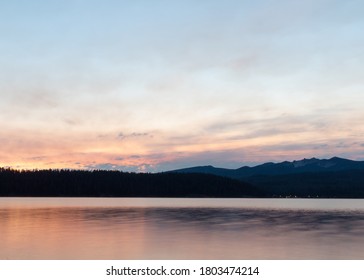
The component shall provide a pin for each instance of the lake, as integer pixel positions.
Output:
(186, 228)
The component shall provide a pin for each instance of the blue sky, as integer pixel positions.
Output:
(158, 85)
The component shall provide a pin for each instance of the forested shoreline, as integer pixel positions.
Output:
(102, 183)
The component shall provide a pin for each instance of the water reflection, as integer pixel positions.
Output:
(90, 232)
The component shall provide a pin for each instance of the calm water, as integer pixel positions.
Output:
(148, 228)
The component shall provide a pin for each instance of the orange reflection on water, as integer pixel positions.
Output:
(57, 233)
(146, 228)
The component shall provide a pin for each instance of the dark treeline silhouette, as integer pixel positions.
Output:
(338, 184)
(101, 183)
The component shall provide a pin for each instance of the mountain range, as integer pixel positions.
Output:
(283, 168)
(324, 178)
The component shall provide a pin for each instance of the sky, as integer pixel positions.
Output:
(148, 86)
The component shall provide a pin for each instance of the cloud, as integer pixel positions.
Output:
(36, 97)
(104, 166)
(134, 156)
(72, 122)
(37, 158)
(122, 136)
(266, 123)
(145, 167)
(264, 133)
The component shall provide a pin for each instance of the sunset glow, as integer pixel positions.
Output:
(159, 85)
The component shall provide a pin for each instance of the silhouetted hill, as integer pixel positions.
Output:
(301, 166)
(69, 183)
(329, 178)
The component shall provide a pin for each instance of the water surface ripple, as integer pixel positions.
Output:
(102, 228)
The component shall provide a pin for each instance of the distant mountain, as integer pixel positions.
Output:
(312, 165)
(323, 178)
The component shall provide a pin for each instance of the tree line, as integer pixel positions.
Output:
(102, 183)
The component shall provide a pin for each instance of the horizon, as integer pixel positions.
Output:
(151, 86)
(186, 167)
